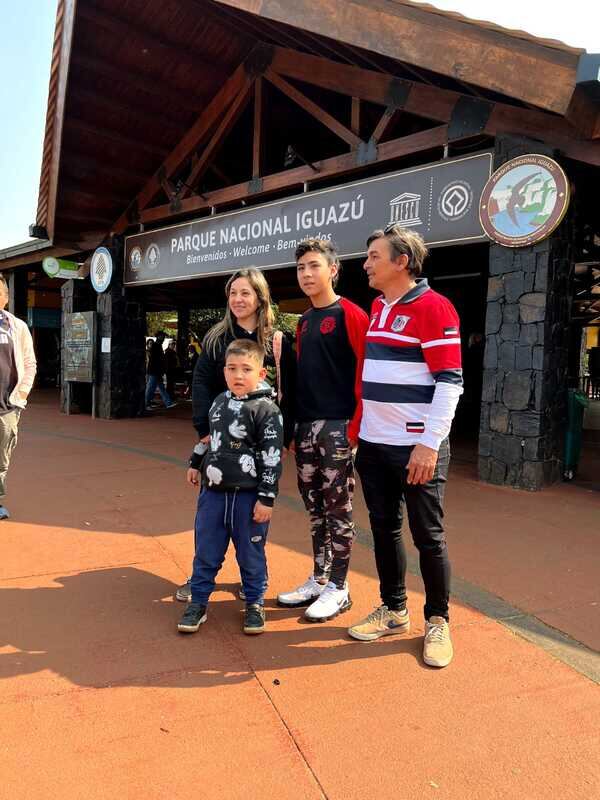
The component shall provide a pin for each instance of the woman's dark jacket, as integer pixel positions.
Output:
(209, 381)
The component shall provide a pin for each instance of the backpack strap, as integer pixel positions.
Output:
(277, 346)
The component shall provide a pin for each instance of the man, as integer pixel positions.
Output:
(156, 369)
(330, 347)
(412, 379)
(17, 371)
(171, 367)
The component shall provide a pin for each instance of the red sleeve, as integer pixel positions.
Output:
(298, 326)
(357, 325)
(439, 331)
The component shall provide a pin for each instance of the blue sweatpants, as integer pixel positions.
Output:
(222, 516)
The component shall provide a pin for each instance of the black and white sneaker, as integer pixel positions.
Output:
(254, 618)
(193, 617)
(184, 592)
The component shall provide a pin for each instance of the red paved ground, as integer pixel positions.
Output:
(101, 698)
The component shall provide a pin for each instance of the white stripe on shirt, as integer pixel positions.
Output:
(439, 342)
(397, 372)
(375, 334)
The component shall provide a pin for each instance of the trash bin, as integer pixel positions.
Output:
(576, 405)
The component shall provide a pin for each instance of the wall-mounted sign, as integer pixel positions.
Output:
(61, 268)
(440, 200)
(79, 356)
(524, 201)
(101, 269)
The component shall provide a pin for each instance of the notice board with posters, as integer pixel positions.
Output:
(440, 201)
(80, 346)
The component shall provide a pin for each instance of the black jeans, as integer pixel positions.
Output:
(382, 470)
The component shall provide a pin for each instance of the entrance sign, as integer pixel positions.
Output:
(439, 200)
(80, 346)
(524, 201)
(101, 269)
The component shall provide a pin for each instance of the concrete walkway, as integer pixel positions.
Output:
(101, 698)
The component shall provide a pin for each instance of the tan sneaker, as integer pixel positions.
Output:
(437, 647)
(381, 622)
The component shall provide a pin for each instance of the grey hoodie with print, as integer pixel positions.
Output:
(246, 440)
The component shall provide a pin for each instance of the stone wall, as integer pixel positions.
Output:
(526, 356)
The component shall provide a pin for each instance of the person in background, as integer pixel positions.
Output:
(249, 315)
(156, 369)
(17, 372)
(171, 367)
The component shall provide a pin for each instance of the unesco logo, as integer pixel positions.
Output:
(455, 201)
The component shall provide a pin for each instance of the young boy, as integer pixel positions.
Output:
(240, 470)
(330, 345)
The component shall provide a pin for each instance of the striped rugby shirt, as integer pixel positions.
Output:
(412, 375)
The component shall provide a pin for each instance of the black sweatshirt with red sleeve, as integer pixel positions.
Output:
(331, 344)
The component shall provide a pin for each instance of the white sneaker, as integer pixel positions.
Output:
(331, 602)
(301, 596)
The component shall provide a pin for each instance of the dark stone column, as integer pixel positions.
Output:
(76, 295)
(526, 355)
(183, 334)
(17, 292)
(121, 372)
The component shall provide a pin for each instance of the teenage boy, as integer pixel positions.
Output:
(330, 346)
(240, 471)
(412, 380)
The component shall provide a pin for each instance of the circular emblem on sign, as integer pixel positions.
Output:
(135, 259)
(51, 266)
(455, 201)
(152, 256)
(524, 201)
(101, 269)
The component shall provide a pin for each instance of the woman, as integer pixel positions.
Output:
(248, 315)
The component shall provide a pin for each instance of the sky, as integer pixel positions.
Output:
(26, 34)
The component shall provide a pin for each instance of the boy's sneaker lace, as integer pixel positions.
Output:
(380, 622)
(301, 596)
(437, 647)
(331, 602)
(193, 617)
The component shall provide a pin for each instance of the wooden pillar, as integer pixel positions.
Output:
(17, 293)
(121, 373)
(76, 295)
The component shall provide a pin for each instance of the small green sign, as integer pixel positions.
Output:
(61, 268)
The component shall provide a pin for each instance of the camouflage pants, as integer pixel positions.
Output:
(326, 483)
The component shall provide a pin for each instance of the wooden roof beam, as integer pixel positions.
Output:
(199, 131)
(421, 100)
(525, 69)
(218, 138)
(397, 148)
(313, 109)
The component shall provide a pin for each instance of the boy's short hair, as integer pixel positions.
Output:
(403, 242)
(246, 347)
(326, 248)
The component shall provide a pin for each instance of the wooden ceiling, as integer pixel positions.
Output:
(131, 78)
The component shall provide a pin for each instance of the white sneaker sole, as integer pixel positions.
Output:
(344, 607)
(371, 637)
(437, 663)
(297, 603)
(191, 628)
